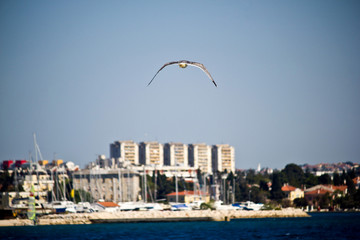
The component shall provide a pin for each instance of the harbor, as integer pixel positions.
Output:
(113, 190)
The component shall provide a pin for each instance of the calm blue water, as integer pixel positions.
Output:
(319, 226)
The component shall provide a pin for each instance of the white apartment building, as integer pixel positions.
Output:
(208, 159)
(151, 153)
(223, 157)
(125, 151)
(200, 157)
(176, 154)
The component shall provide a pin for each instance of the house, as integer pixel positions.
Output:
(313, 195)
(292, 192)
(108, 206)
(342, 189)
(188, 196)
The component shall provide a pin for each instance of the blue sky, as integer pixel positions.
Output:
(75, 73)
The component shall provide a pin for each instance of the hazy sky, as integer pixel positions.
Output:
(288, 75)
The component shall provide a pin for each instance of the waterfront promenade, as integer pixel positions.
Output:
(154, 216)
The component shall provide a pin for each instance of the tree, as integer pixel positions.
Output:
(324, 179)
(164, 186)
(294, 175)
(238, 179)
(352, 173)
(337, 179)
(276, 193)
(300, 202)
(350, 184)
(250, 176)
(263, 185)
(325, 201)
(80, 194)
(310, 180)
(357, 198)
(241, 190)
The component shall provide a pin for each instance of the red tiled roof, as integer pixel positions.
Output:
(320, 191)
(108, 204)
(288, 188)
(187, 193)
(341, 188)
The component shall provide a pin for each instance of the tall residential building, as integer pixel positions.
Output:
(125, 151)
(223, 157)
(151, 153)
(200, 157)
(176, 154)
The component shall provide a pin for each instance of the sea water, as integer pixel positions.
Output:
(318, 226)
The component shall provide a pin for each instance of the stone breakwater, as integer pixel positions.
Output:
(154, 216)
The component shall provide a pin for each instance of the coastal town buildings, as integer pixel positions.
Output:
(329, 168)
(118, 178)
(151, 153)
(292, 192)
(176, 154)
(27, 176)
(223, 158)
(106, 180)
(314, 194)
(200, 157)
(117, 185)
(125, 151)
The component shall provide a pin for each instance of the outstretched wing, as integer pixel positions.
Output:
(202, 67)
(166, 64)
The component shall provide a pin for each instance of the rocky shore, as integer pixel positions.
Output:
(154, 216)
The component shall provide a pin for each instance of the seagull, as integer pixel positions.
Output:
(184, 64)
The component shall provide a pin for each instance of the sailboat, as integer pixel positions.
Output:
(64, 205)
(31, 212)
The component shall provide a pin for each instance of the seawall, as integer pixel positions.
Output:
(154, 216)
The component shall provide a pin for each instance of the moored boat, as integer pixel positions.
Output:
(63, 206)
(248, 205)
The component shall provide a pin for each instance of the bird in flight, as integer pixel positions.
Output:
(184, 64)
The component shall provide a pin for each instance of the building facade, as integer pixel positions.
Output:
(151, 153)
(188, 197)
(125, 151)
(292, 192)
(176, 154)
(200, 157)
(223, 158)
(116, 185)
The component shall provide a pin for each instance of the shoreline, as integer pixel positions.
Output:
(153, 216)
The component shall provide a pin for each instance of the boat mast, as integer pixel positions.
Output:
(128, 183)
(155, 184)
(119, 181)
(194, 185)
(64, 185)
(145, 185)
(37, 150)
(176, 181)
